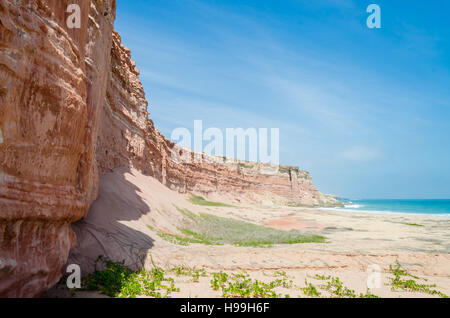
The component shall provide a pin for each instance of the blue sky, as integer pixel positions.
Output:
(366, 111)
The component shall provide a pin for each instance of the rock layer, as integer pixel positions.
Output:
(72, 106)
(52, 87)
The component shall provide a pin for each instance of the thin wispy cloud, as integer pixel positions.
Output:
(361, 154)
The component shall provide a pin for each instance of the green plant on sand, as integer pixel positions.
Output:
(310, 290)
(117, 280)
(198, 200)
(242, 286)
(399, 282)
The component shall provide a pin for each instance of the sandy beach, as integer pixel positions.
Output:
(355, 241)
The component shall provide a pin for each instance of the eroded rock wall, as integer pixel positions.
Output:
(52, 87)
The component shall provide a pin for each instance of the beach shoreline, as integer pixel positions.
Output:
(442, 215)
(424, 207)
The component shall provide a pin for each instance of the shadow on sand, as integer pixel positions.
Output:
(104, 230)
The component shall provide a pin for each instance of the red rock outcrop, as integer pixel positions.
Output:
(52, 87)
(72, 106)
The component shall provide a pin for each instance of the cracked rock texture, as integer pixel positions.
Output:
(72, 108)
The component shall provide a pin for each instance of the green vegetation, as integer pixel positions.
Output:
(200, 238)
(185, 271)
(187, 213)
(335, 288)
(410, 284)
(219, 279)
(368, 294)
(229, 231)
(280, 274)
(213, 230)
(182, 240)
(197, 200)
(117, 280)
(322, 277)
(310, 290)
(242, 286)
(414, 224)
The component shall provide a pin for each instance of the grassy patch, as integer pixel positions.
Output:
(187, 213)
(240, 233)
(242, 286)
(176, 239)
(414, 224)
(213, 230)
(401, 281)
(117, 280)
(199, 238)
(198, 200)
(189, 237)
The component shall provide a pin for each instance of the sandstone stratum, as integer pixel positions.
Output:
(72, 112)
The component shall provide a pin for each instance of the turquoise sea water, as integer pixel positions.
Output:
(427, 207)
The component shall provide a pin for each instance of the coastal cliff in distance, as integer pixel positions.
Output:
(128, 137)
(72, 108)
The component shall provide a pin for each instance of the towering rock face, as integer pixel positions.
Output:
(52, 87)
(72, 106)
(128, 138)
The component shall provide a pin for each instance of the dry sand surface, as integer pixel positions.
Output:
(117, 227)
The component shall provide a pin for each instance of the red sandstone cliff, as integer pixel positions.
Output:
(52, 88)
(72, 107)
(128, 137)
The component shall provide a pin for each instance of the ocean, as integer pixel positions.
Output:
(423, 207)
